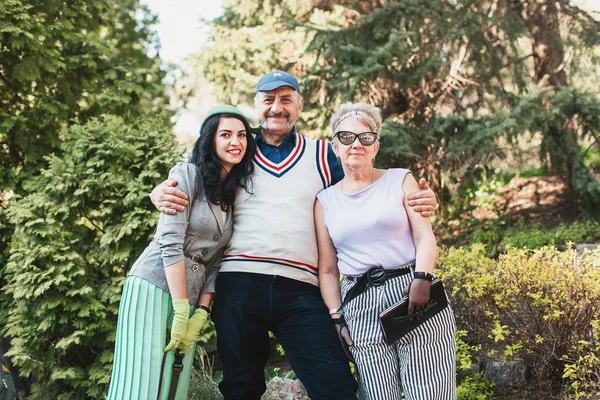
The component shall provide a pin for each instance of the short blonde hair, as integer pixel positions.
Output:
(365, 113)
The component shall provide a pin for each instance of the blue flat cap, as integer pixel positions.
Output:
(277, 79)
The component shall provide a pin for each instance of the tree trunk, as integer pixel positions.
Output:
(548, 55)
(542, 20)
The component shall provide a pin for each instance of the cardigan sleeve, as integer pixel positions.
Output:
(211, 277)
(172, 228)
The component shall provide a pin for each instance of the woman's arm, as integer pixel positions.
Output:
(422, 232)
(423, 200)
(206, 299)
(329, 279)
(419, 289)
(329, 275)
(172, 229)
(175, 274)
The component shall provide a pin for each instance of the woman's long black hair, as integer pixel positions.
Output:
(205, 158)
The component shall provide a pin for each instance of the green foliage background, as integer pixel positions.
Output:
(470, 90)
(65, 61)
(462, 84)
(84, 136)
(85, 222)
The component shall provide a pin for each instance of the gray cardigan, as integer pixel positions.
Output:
(196, 235)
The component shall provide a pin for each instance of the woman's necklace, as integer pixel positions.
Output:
(342, 184)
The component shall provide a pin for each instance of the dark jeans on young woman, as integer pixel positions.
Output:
(247, 306)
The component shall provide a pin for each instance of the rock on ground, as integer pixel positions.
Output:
(285, 389)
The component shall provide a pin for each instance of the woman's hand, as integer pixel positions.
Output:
(181, 315)
(167, 199)
(419, 293)
(344, 334)
(194, 326)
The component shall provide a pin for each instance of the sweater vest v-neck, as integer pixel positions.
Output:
(274, 229)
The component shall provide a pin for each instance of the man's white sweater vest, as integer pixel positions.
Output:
(274, 229)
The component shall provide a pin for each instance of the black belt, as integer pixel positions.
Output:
(194, 257)
(200, 260)
(375, 276)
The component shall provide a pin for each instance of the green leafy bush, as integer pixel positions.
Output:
(497, 236)
(489, 234)
(532, 237)
(592, 159)
(537, 236)
(83, 223)
(475, 387)
(542, 306)
(470, 386)
(582, 372)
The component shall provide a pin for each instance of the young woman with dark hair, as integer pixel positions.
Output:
(172, 283)
(211, 166)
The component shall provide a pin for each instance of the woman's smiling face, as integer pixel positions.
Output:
(230, 142)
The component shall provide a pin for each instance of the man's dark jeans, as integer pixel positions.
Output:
(247, 306)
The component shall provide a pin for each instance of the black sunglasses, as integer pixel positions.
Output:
(347, 138)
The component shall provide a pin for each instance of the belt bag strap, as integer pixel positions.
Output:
(354, 291)
(375, 276)
(177, 367)
(162, 372)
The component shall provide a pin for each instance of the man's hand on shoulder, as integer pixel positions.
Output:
(167, 199)
(423, 201)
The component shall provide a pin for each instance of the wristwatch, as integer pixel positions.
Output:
(205, 309)
(422, 275)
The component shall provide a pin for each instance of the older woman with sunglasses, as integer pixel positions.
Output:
(363, 222)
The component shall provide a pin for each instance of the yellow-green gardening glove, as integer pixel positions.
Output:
(181, 310)
(195, 325)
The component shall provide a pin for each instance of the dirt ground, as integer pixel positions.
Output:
(543, 199)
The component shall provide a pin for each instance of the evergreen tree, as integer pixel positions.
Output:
(68, 61)
(86, 219)
(65, 63)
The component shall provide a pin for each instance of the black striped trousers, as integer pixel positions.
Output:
(422, 364)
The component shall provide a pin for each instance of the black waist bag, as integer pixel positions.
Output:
(395, 321)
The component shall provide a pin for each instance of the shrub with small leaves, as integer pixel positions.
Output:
(470, 386)
(582, 366)
(542, 306)
(498, 236)
(83, 223)
(475, 387)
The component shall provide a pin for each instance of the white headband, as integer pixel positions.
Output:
(350, 114)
